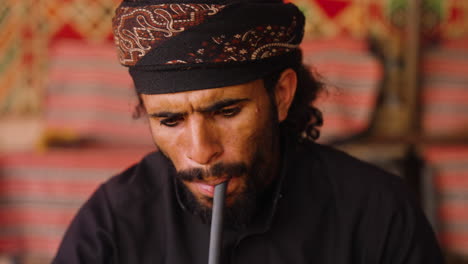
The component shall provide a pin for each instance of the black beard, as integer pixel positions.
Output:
(242, 211)
(236, 216)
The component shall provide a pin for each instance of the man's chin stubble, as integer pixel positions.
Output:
(237, 215)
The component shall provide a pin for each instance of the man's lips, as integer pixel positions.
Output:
(207, 188)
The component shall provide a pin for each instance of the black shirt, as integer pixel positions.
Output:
(327, 208)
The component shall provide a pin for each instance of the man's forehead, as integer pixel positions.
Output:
(187, 101)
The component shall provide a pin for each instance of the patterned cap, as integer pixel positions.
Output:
(185, 45)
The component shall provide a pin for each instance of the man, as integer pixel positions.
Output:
(228, 100)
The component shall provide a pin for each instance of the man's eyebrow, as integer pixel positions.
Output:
(221, 104)
(166, 114)
(211, 108)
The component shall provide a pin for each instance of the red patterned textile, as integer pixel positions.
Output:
(138, 29)
(333, 18)
(180, 34)
(352, 77)
(444, 89)
(40, 193)
(259, 43)
(91, 97)
(450, 166)
(451, 19)
(27, 29)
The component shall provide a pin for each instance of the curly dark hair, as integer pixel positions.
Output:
(303, 119)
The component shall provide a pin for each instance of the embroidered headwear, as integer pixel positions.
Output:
(191, 45)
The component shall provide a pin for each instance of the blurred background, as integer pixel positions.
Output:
(397, 96)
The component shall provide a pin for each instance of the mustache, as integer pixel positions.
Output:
(229, 170)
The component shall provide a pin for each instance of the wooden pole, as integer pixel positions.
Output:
(412, 57)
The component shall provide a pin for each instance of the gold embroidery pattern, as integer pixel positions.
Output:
(138, 29)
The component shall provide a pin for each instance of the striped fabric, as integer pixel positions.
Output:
(26, 30)
(352, 76)
(450, 167)
(91, 95)
(40, 193)
(445, 89)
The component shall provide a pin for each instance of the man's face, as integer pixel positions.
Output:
(215, 135)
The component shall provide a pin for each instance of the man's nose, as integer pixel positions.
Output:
(205, 145)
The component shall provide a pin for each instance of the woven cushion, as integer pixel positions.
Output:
(38, 201)
(352, 76)
(450, 168)
(445, 93)
(90, 96)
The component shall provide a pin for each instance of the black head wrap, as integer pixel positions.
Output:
(192, 45)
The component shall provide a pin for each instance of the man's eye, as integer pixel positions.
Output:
(229, 112)
(171, 122)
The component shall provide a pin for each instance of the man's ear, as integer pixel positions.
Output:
(285, 90)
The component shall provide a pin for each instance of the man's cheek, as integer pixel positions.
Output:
(246, 149)
(171, 155)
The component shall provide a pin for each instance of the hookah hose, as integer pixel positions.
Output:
(216, 233)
